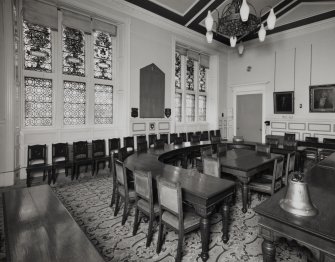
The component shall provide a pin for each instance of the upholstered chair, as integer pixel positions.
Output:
(212, 166)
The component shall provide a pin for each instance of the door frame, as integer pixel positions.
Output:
(249, 89)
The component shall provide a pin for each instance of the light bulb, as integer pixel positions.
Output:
(244, 11)
(262, 33)
(209, 37)
(209, 21)
(233, 40)
(271, 20)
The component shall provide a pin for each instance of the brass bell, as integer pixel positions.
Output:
(297, 199)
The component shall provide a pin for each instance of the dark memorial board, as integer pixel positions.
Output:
(152, 92)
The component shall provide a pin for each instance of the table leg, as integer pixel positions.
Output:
(244, 196)
(225, 222)
(204, 227)
(269, 251)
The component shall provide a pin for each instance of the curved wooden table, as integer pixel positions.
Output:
(203, 192)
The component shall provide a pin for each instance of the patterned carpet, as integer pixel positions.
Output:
(88, 202)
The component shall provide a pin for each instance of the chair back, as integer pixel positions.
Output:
(290, 164)
(211, 133)
(141, 139)
(159, 143)
(179, 140)
(218, 133)
(189, 135)
(143, 185)
(183, 135)
(80, 150)
(206, 151)
(215, 139)
(37, 154)
(142, 146)
(212, 166)
(164, 137)
(60, 152)
(152, 139)
(98, 148)
(273, 142)
(170, 197)
(261, 148)
(173, 137)
(289, 140)
(312, 139)
(195, 138)
(204, 136)
(277, 175)
(112, 167)
(123, 153)
(329, 141)
(120, 172)
(128, 142)
(113, 145)
(221, 149)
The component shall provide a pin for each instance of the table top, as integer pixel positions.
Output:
(39, 228)
(321, 182)
(328, 162)
(246, 160)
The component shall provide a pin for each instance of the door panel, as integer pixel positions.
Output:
(249, 117)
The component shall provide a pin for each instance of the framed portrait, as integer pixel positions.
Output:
(322, 98)
(283, 102)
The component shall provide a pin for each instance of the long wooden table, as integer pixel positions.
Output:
(203, 192)
(244, 164)
(318, 232)
(39, 228)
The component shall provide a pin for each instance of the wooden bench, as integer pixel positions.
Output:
(39, 228)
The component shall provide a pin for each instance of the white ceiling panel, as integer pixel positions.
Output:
(180, 7)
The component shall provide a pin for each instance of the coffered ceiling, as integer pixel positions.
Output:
(191, 13)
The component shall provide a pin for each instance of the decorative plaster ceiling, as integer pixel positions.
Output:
(191, 13)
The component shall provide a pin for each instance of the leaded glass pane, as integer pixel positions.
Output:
(37, 47)
(178, 106)
(103, 104)
(102, 55)
(202, 108)
(74, 103)
(189, 74)
(73, 52)
(202, 78)
(38, 101)
(178, 71)
(190, 108)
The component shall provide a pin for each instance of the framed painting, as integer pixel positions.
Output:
(322, 98)
(283, 102)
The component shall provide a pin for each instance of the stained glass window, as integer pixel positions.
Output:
(38, 101)
(74, 103)
(73, 52)
(202, 108)
(190, 108)
(102, 55)
(178, 71)
(37, 47)
(103, 104)
(178, 106)
(189, 74)
(202, 79)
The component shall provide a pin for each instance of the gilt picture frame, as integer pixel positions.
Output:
(283, 102)
(322, 99)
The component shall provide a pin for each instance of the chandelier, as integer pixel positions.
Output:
(236, 22)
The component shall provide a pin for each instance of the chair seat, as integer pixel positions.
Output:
(191, 220)
(144, 205)
(130, 191)
(38, 167)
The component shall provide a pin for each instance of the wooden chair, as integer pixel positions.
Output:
(261, 148)
(218, 133)
(324, 153)
(141, 139)
(152, 139)
(198, 133)
(164, 137)
(214, 141)
(179, 140)
(265, 185)
(212, 166)
(312, 139)
(114, 145)
(144, 200)
(123, 153)
(329, 141)
(124, 190)
(195, 139)
(204, 136)
(289, 140)
(221, 149)
(36, 162)
(312, 153)
(211, 133)
(159, 144)
(80, 158)
(60, 159)
(142, 147)
(128, 142)
(189, 135)
(173, 137)
(99, 154)
(183, 135)
(205, 151)
(273, 142)
(173, 214)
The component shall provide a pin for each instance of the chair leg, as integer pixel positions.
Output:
(113, 196)
(136, 222)
(160, 236)
(180, 246)
(49, 176)
(150, 231)
(28, 179)
(125, 212)
(117, 207)
(249, 198)
(77, 171)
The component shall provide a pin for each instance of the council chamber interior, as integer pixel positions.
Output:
(155, 130)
